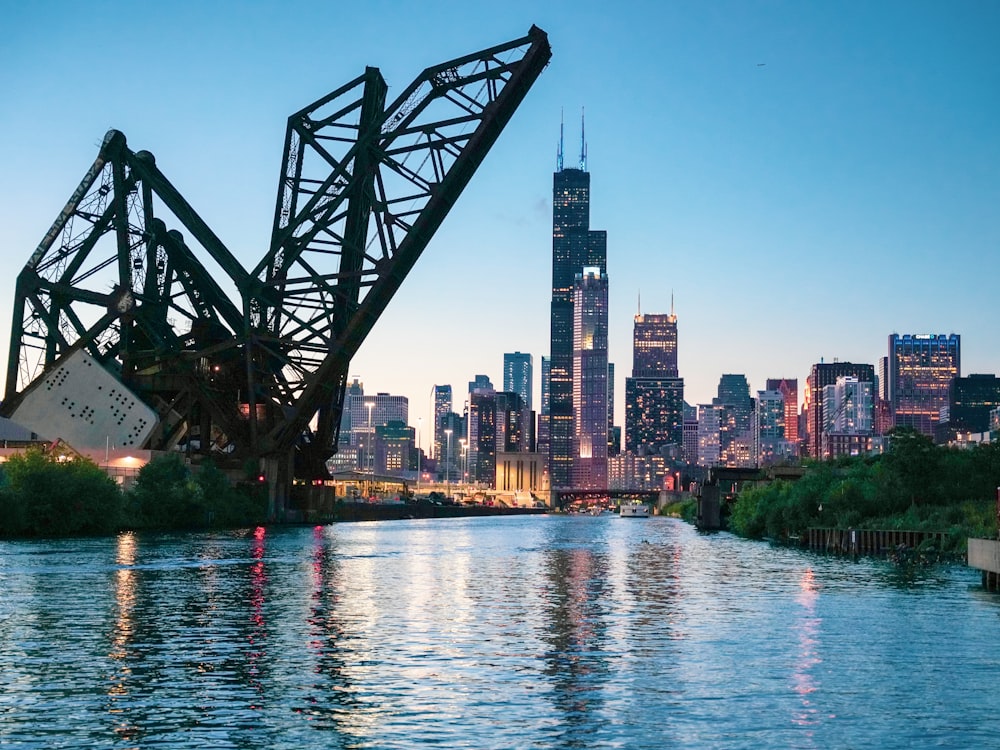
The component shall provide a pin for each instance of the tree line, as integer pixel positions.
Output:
(916, 486)
(45, 495)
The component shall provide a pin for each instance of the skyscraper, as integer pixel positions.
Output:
(654, 395)
(497, 426)
(769, 418)
(654, 414)
(517, 372)
(822, 375)
(789, 390)
(736, 435)
(590, 379)
(972, 399)
(921, 368)
(848, 417)
(481, 386)
(654, 345)
(574, 246)
(517, 376)
(442, 407)
(542, 435)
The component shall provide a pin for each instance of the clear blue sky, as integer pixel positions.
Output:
(846, 189)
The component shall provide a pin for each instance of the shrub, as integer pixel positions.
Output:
(46, 496)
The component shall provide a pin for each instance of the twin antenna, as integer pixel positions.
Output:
(583, 144)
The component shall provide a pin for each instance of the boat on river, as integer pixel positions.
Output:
(633, 510)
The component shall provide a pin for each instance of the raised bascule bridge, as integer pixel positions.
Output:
(134, 324)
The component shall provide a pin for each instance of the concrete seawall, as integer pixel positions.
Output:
(984, 554)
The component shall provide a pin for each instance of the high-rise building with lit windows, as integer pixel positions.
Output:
(590, 379)
(517, 375)
(517, 371)
(769, 431)
(654, 395)
(921, 368)
(654, 414)
(848, 417)
(654, 346)
(972, 399)
(442, 407)
(789, 390)
(542, 430)
(574, 246)
(821, 375)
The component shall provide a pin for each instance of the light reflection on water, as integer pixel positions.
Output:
(547, 632)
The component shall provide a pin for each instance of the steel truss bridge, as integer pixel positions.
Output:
(250, 365)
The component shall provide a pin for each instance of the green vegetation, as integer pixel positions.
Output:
(686, 510)
(46, 495)
(43, 496)
(915, 486)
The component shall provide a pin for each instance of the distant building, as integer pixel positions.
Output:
(789, 390)
(770, 427)
(368, 413)
(821, 375)
(517, 377)
(709, 417)
(654, 413)
(614, 443)
(848, 417)
(442, 407)
(654, 395)
(736, 440)
(626, 471)
(921, 368)
(542, 430)
(575, 246)
(394, 448)
(590, 379)
(517, 374)
(690, 453)
(453, 428)
(496, 424)
(971, 400)
(654, 345)
(520, 472)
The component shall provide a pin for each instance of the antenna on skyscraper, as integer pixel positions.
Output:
(638, 300)
(583, 142)
(559, 153)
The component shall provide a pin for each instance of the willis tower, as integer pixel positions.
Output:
(574, 247)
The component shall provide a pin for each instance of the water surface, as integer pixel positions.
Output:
(521, 632)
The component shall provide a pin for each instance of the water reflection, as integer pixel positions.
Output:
(124, 724)
(806, 628)
(330, 698)
(487, 633)
(257, 636)
(574, 627)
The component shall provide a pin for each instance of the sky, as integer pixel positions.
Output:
(804, 178)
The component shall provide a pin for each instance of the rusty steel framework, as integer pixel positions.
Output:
(245, 360)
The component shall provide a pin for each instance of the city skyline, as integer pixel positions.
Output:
(800, 139)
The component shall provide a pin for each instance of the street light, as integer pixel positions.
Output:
(464, 463)
(419, 422)
(447, 460)
(371, 438)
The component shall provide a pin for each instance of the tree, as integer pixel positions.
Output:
(47, 496)
(165, 496)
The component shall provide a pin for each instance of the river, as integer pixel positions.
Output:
(509, 632)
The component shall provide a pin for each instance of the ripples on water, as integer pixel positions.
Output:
(531, 632)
